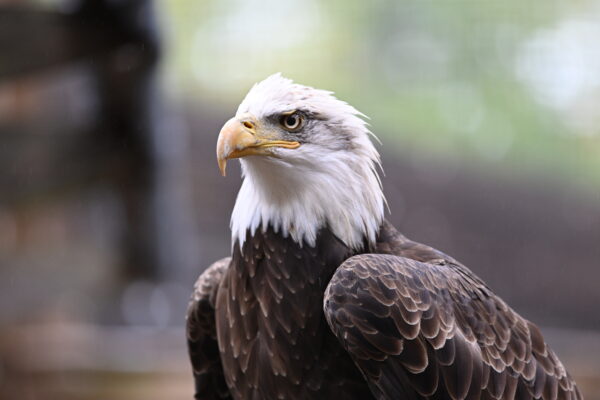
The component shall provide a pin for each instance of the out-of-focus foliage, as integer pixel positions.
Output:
(514, 83)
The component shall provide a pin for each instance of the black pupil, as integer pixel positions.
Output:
(291, 120)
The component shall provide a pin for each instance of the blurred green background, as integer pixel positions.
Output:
(111, 203)
(508, 84)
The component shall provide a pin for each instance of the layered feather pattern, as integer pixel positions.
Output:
(402, 322)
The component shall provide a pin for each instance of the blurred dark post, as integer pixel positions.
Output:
(125, 83)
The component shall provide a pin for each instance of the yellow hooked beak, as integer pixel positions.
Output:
(240, 137)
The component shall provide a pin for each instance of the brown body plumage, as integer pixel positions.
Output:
(403, 322)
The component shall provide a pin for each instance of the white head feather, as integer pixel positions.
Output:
(329, 181)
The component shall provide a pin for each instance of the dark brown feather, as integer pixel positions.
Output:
(481, 348)
(202, 335)
(405, 322)
(288, 352)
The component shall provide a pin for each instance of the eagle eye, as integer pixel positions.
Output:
(291, 122)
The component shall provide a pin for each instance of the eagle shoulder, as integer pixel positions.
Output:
(431, 328)
(202, 335)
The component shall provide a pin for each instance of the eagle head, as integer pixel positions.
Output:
(308, 163)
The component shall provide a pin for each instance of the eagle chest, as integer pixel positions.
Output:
(273, 338)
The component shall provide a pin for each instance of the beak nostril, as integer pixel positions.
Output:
(248, 124)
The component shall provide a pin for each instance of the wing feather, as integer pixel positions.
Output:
(433, 329)
(202, 336)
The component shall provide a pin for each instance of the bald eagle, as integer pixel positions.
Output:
(322, 298)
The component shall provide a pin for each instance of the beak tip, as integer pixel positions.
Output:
(223, 166)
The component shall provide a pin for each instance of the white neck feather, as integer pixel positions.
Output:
(311, 189)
